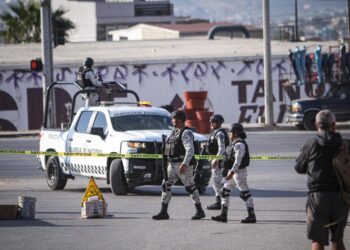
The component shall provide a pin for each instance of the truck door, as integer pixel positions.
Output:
(78, 142)
(342, 108)
(82, 140)
(98, 133)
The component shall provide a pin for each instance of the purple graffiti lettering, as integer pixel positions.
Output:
(201, 70)
(216, 69)
(102, 72)
(16, 77)
(259, 66)
(139, 70)
(185, 70)
(155, 73)
(171, 72)
(246, 66)
(61, 76)
(279, 67)
(120, 73)
(35, 77)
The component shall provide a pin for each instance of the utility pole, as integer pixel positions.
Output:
(46, 52)
(267, 65)
(296, 20)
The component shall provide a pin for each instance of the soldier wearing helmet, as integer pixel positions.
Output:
(237, 161)
(217, 143)
(179, 150)
(86, 78)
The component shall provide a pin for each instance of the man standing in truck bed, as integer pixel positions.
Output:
(87, 79)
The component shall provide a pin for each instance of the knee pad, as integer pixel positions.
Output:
(166, 186)
(245, 195)
(190, 189)
(224, 192)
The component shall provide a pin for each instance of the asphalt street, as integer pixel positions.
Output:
(279, 196)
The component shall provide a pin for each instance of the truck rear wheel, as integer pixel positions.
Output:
(54, 175)
(300, 126)
(117, 178)
(309, 120)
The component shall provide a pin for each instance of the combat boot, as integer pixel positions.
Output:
(251, 216)
(163, 214)
(199, 212)
(216, 205)
(223, 216)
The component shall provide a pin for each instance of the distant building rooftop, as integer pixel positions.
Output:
(150, 51)
(202, 28)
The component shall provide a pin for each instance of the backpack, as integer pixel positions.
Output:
(341, 164)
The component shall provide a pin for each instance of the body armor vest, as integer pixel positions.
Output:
(174, 147)
(230, 157)
(81, 80)
(213, 147)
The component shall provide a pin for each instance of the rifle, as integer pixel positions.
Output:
(198, 176)
(164, 159)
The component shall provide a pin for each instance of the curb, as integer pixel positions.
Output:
(12, 134)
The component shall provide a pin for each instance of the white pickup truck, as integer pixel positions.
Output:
(109, 129)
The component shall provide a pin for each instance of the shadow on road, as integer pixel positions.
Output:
(180, 191)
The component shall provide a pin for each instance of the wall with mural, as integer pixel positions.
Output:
(235, 89)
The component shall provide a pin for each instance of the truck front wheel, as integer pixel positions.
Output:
(309, 120)
(54, 175)
(117, 178)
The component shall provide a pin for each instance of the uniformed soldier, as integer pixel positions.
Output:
(217, 143)
(179, 150)
(236, 163)
(87, 78)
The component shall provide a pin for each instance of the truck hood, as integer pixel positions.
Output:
(153, 135)
(308, 102)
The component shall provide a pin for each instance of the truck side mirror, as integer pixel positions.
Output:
(98, 131)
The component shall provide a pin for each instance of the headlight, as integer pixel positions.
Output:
(296, 107)
(136, 144)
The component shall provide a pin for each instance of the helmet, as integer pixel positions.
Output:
(88, 62)
(178, 115)
(217, 119)
(236, 127)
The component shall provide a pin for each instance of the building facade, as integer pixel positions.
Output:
(94, 19)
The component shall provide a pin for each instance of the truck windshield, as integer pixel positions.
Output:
(141, 122)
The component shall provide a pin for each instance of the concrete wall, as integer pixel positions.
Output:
(83, 15)
(235, 89)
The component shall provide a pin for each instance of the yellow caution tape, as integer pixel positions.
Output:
(139, 156)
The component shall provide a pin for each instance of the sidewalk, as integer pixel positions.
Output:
(248, 127)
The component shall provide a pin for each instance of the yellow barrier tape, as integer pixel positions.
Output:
(139, 156)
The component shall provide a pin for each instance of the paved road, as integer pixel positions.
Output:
(279, 196)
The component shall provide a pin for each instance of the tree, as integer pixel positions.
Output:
(23, 24)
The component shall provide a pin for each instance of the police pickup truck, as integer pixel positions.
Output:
(105, 129)
(302, 112)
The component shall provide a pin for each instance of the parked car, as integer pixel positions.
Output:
(302, 112)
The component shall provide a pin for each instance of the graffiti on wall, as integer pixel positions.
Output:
(235, 88)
